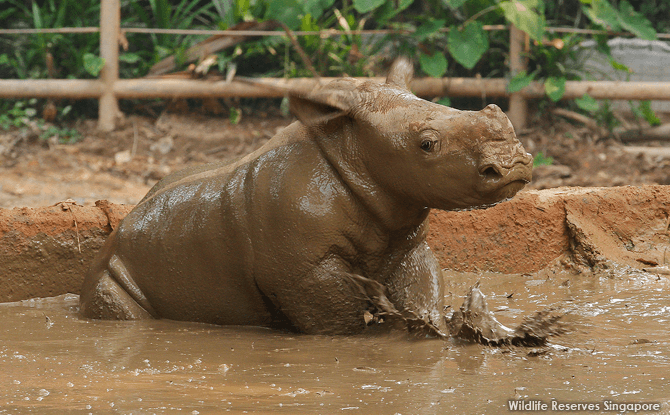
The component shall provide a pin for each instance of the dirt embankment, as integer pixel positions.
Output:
(46, 251)
(122, 165)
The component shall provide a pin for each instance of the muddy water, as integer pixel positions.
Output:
(53, 361)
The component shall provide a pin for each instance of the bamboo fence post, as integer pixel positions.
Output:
(518, 106)
(110, 25)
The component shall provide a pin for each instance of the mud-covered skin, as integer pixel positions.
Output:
(280, 237)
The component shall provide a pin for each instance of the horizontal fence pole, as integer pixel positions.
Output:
(657, 91)
(50, 88)
(322, 33)
(206, 32)
(56, 30)
(424, 87)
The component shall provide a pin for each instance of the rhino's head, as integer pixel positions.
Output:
(421, 152)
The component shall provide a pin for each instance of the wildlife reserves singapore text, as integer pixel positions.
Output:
(523, 405)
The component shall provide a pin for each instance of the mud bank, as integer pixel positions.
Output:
(45, 251)
(576, 226)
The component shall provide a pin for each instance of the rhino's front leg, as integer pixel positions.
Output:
(415, 285)
(325, 300)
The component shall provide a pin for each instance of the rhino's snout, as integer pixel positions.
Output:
(519, 169)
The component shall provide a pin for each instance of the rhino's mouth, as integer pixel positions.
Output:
(500, 183)
(496, 177)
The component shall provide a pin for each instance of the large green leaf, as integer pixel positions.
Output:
(316, 7)
(521, 14)
(428, 28)
(129, 57)
(554, 87)
(391, 8)
(435, 65)
(620, 66)
(587, 103)
(364, 6)
(603, 14)
(634, 22)
(285, 11)
(649, 114)
(93, 64)
(469, 45)
(519, 82)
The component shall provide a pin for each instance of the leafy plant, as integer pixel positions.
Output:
(18, 115)
(26, 55)
(541, 160)
(93, 64)
(62, 135)
(645, 112)
(22, 114)
(445, 37)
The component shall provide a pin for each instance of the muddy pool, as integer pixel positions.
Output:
(53, 361)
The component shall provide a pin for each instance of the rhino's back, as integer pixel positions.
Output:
(189, 256)
(196, 242)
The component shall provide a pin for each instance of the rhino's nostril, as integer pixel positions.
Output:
(490, 172)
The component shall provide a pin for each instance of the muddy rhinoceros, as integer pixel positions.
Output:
(320, 229)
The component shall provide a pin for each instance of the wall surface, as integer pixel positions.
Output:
(46, 251)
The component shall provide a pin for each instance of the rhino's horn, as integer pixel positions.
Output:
(401, 73)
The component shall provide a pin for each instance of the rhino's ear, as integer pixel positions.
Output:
(401, 73)
(320, 107)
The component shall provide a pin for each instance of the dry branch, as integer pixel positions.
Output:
(659, 133)
(588, 122)
(212, 45)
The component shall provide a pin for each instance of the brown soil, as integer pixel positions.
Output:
(121, 166)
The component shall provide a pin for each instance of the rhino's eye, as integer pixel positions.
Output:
(427, 145)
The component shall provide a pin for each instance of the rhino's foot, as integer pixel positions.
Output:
(384, 309)
(474, 322)
(109, 301)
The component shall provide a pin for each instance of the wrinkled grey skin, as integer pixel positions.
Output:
(276, 238)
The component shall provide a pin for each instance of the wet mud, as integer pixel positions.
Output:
(52, 360)
(598, 256)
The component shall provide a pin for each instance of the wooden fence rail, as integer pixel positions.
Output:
(108, 88)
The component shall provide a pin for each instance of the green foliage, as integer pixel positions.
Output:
(554, 87)
(428, 28)
(468, 45)
(527, 15)
(18, 115)
(235, 115)
(365, 6)
(605, 116)
(93, 64)
(603, 14)
(445, 37)
(22, 114)
(444, 101)
(587, 103)
(645, 112)
(147, 50)
(62, 135)
(25, 55)
(434, 65)
(541, 160)
(520, 81)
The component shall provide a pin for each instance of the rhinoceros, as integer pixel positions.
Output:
(322, 227)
